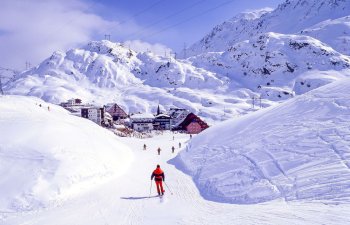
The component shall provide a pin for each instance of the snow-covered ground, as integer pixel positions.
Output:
(287, 164)
(48, 155)
(296, 150)
(124, 199)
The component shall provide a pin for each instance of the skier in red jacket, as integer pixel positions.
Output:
(158, 175)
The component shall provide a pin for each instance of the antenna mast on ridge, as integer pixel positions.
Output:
(185, 48)
(1, 91)
(108, 37)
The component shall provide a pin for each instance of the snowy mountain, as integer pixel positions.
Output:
(104, 72)
(334, 32)
(226, 34)
(276, 56)
(109, 65)
(291, 17)
(48, 155)
(270, 63)
(296, 150)
(216, 86)
(256, 55)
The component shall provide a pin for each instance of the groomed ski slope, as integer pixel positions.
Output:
(124, 200)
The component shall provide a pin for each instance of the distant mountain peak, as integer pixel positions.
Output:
(290, 17)
(251, 14)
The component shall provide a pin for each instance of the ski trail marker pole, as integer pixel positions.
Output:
(150, 189)
(168, 188)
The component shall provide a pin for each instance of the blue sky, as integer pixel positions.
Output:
(31, 30)
(158, 19)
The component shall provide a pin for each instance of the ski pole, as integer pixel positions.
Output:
(150, 189)
(168, 188)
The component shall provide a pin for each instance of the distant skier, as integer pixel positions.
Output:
(179, 144)
(159, 150)
(159, 177)
(190, 136)
(172, 149)
(144, 147)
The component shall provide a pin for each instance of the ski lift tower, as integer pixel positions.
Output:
(1, 91)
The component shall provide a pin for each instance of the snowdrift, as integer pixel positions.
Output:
(296, 150)
(48, 155)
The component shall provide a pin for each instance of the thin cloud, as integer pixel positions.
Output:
(31, 30)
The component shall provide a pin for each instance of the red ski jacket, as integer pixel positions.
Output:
(158, 175)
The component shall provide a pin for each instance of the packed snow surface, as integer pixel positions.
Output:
(296, 150)
(48, 155)
(125, 199)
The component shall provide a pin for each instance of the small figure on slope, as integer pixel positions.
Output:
(179, 144)
(159, 150)
(172, 149)
(159, 177)
(144, 147)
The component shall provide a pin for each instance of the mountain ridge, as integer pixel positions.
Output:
(305, 14)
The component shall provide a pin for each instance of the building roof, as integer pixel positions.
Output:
(91, 107)
(176, 111)
(142, 116)
(160, 115)
(114, 108)
(193, 118)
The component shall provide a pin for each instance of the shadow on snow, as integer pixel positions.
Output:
(139, 198)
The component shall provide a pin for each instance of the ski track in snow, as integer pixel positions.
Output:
(125, 200)
(296, 151)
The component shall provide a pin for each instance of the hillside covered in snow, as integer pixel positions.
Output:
(271, 64)
(275, 56)
(104, 72)
(48, 155)
(298, 150)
